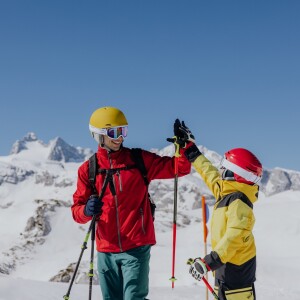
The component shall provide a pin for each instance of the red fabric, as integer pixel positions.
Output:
(126, 221)
(207, 266)
(188, 145)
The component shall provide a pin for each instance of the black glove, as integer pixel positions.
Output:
(182, 134)
(177, 131)
(93, 206)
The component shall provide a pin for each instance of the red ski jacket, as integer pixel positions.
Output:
(126, 221)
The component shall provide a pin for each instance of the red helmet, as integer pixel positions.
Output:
(244, 164)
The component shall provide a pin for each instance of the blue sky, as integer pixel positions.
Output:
(229, 69)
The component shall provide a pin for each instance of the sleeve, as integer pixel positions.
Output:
(81, 195)
(240, 222)
(213, 261)
(163, 167)
(209, 174)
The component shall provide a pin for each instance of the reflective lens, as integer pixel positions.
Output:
(116, 132)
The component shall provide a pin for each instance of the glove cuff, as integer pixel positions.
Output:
(213, 261)
(192, 152)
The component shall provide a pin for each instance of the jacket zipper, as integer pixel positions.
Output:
(120, 181)
(142, 216)
(117, 210)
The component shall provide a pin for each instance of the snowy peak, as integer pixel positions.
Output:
(30, 137)
(31, 148)
(279, 180)
(62, 151)
(29, 155)
(20, 145)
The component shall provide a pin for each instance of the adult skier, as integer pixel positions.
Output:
(233, 255)
(125, 229)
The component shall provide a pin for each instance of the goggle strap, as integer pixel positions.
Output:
(97, 130)
(249, 176)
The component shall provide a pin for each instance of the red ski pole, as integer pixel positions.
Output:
(205, 231)
(189, 262)
(175, 213)
(210, 288)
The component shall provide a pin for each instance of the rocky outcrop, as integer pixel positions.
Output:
(12, 174)
(37, 228)
(82, 275)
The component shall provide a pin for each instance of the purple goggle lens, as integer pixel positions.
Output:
(116, 132)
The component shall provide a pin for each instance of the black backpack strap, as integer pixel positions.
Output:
(94, 170)
(136, 156)
(113, 171)
(93, 165)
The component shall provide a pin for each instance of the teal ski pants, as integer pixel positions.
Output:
(124, 275)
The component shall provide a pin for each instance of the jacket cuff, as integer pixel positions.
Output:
(192, 152)
(213, 260)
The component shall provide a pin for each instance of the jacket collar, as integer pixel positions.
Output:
(251, 191)
(104, 155)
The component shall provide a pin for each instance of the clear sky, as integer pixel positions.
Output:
(230, 69)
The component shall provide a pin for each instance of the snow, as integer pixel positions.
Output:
(277, 233)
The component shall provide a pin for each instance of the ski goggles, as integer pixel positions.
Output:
(113, 132)
(249, 176)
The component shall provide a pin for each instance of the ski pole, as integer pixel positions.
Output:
(189, 262)
(210, 288)
(91, 272)
(87, 236)
(83, 247)
(205, 231)
(175, 211)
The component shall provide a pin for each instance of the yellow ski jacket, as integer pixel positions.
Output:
(233, 253)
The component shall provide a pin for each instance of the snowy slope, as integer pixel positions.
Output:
(39, 237)
(277, 233)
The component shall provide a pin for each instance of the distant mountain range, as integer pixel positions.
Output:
(37, 181)
(57, 150)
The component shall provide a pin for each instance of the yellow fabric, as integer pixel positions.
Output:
(231, 226)
(238, 294)
(107, 117)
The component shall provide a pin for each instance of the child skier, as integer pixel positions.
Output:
(233, 255)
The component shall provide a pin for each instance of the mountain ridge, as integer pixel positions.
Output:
(37, 181)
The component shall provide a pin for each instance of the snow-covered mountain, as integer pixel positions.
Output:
(40, 240)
